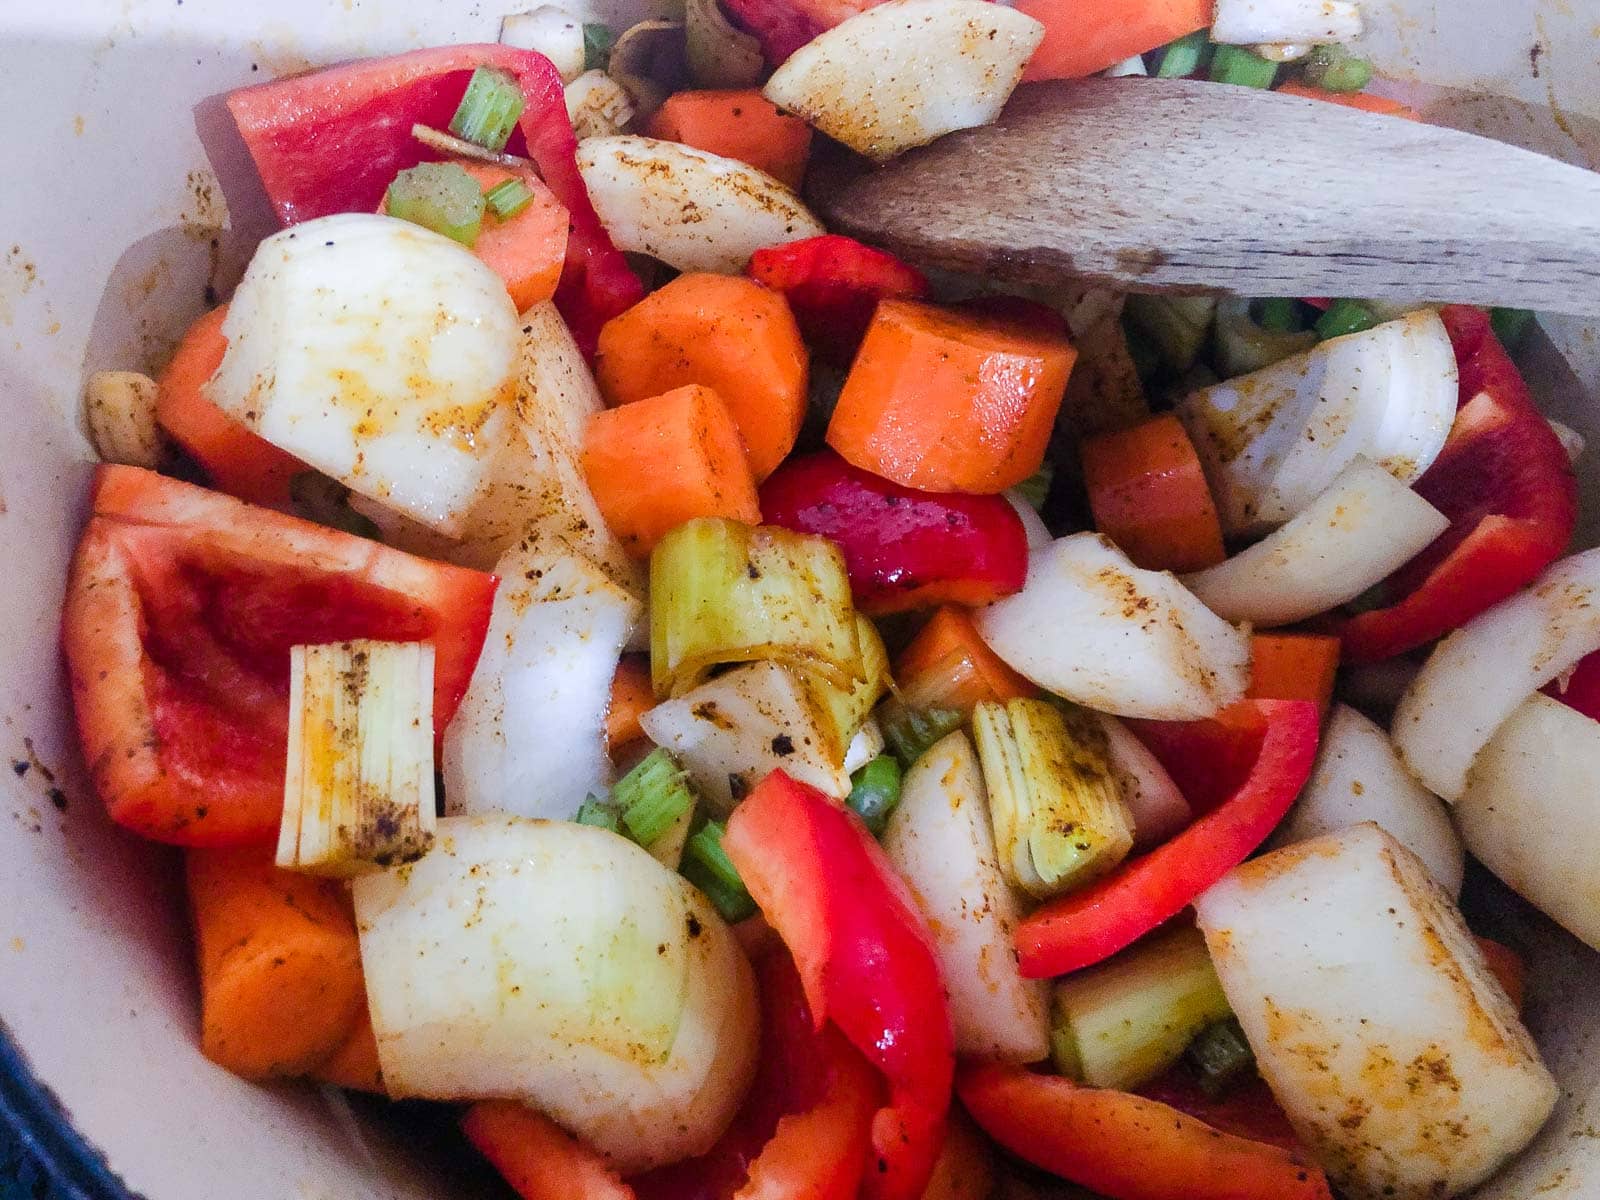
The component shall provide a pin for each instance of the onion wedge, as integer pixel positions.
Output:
(1357, 533)
(1477, 676)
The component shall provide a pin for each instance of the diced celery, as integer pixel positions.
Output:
(507, 198)
(1059, 819)
(1176, 325)
(1221, 1056)
(707, 865)
(1243, 344)
(359, 778)
(653, 796)
(1344, 316)
(910, 732)
(725, 592)
(1334, 69)
(1245, 68)
(438, 196)
(874, 792)
(600, 813)
(489, 110)
(1123, 1022)
(1185, 56)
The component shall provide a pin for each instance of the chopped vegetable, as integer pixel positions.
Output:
(1245, 68)
(438, 196)
(1364, 101)
(553, 32)
(906, 72)
(1123, 1022)
(1507, 966)
(1221, 1057)
(1362, 993)
(602, 814)
(1127, 1147)
(598, 105)
(1082, 38)
(740, 124)
(833, 284)
(1293, 666)
(865, 957)
(1334, 69)
(186, 732)
(1274, 440)
(707, 865)
(948, 665)
(486, 980)
(1511, 325)
(1268, 747)
(941, 400)
(693, 210)
(651, 61)
(1185, 56)
(539, 1159)
(358, 787)
(1155, 804)
(909, 732)
(1359, 777)
(1356, 534)
(1252, 22)
(354, 1064)
(903, 549)
(1059, 820)
(598, 39)
(279, 964)
(697, 466)
(489, 109)
(653, 797)
(847, 709)
(508, 198)
(1244, 342)
(1504, 481)
(725, 333)
(1177, 325)
(1527, 812)
(1475, 679)
(236, 461)
(941, 841)
(1344, 317)
(874, 792)
(731, 731)
(120, 411)
(1141, 644)
(631, 697)
(720, 54)
(1150, 497)
(724, 592)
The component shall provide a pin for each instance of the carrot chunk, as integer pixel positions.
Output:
(720, 331)
(737, 123)
(281, 987)
(631, 697)
(1506, 965)
(1293, 666)
(354, 1064)
(1150, 496)
(1085, 36)
(656, 463)
(949, 401)
(1364, 101)
(947, 665)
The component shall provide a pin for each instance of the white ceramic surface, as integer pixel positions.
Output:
(123, 196)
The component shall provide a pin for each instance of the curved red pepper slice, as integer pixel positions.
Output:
(1580, 689)
(1268, 747)
(332, 140)
(1504, 481)
(903, 549)
(1128, 1147)
(833, 283)
(865, 957)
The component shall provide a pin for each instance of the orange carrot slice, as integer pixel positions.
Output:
(631, 697)
(657, 463)
(947, 665)
(1364, 101)
(354, 1065)
(948, 401)
(1085, 36)
(1150, 496)
(1293, 666)
(1506, 965)
(737, 123)
(723, 332)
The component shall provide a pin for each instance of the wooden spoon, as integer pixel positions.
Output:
(1186, 186)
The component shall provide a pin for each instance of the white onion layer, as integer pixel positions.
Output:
(1158, 808)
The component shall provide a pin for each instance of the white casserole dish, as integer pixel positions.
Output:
(125, 198)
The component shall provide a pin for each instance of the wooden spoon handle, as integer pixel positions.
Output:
(1187, 186)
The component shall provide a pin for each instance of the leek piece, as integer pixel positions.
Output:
(1220, 1056)
(846, 709)
(1344, 316)
(1334, 69)
(489, 109)
(1035, 489)
(1059, 819)
(1176, 325)
(910, 731)
(1184, 56)
(1242, 344)
(725, 592)
(1511, 325)
(1123, 1022)
(438, 196)
(707, 865)
(359, 782)
(874, 792)
(600, 813)
(508, 197)
(1242, 67)
(597, 42)
(653, 797)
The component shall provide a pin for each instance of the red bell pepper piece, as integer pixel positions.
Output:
(539, 1159)
(805, 1126)
(1127, 1147)
(1261, 752)
(1581, 687)
(865, 958)
(332, 141)
(903, 549)
(783, 26)
(1504, 481)
(833, 283)
(1248, 1110)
